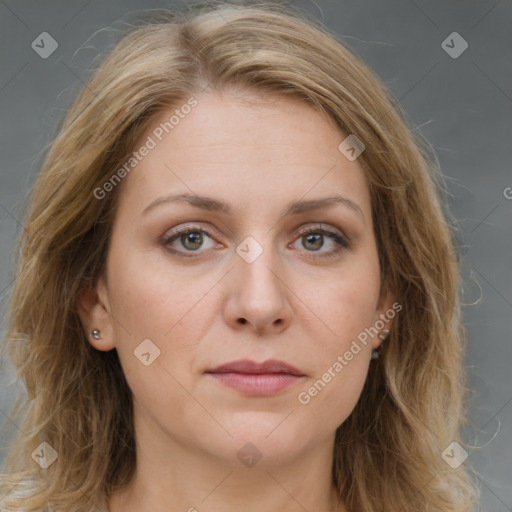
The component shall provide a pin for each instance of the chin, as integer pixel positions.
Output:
(273, 441)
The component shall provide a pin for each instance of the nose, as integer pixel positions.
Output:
(258, 295)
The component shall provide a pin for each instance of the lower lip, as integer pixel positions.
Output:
(261, 384)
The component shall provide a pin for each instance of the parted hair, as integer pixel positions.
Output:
(387, 454)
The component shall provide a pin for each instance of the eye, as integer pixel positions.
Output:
(312, 239)
(190, 238)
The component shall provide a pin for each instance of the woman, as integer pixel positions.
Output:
(235, 205)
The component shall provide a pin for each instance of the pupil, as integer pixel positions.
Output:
(194, 238)
(318, 240)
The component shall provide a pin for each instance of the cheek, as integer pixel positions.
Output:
(333, 396)
(356, 305)
(347, 305)
(152, 300)
(149, 297)
(347, 308)
(140, 302)
(343, 360)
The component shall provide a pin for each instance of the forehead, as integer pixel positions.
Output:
(242, 148)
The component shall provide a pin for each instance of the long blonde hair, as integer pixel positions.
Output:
(388, 452)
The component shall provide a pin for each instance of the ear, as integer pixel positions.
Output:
(386, 310)
(94, 311)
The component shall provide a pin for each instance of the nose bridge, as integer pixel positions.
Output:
(260, 289)
(258, 264)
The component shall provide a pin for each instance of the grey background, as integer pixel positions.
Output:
(462, 105)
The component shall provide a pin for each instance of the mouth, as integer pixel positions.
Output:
(257, 379)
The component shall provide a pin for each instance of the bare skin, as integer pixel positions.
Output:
(303, 300)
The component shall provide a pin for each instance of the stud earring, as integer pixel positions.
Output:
(95, 334)
(385, 335)
(382, 335)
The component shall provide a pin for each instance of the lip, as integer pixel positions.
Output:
(248, 366)
(257, 379)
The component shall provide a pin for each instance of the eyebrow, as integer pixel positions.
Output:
(293, 208)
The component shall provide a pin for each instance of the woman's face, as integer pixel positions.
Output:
(246, 283)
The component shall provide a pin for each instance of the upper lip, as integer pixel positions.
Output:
(248, 366)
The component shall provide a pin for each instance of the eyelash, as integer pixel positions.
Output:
(341, 241)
